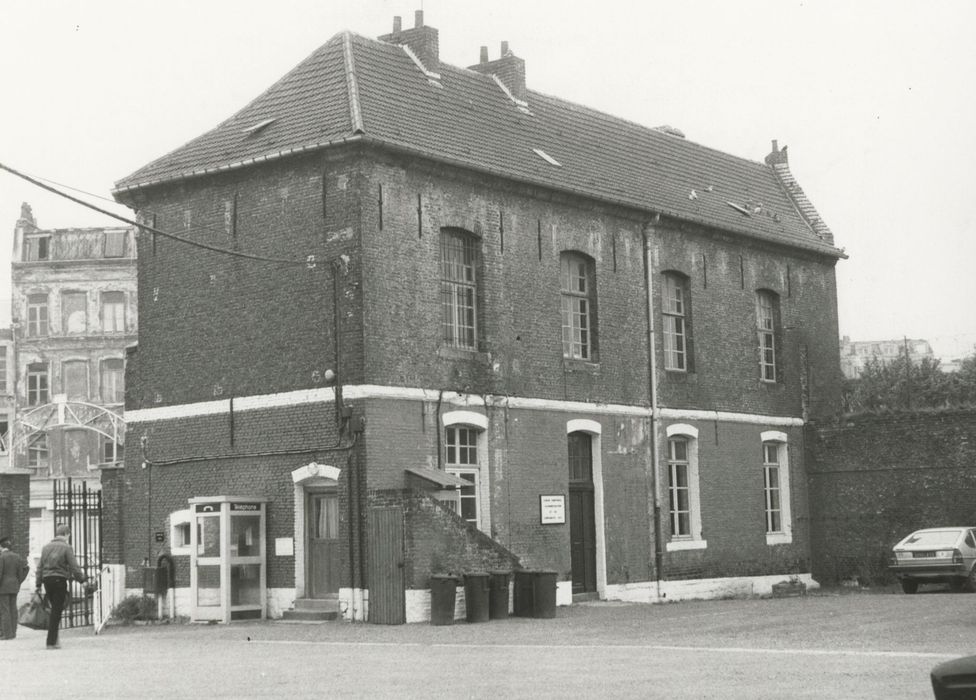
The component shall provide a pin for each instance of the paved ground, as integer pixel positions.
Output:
(831, 645)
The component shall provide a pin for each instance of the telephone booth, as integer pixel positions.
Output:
(228, 560)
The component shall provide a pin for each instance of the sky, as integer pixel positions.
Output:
(876, 101)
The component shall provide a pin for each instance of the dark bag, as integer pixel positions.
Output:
(35, 613)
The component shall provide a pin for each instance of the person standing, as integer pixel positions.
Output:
(56, 567)
(13, 571)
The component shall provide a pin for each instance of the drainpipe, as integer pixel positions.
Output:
(646, 230)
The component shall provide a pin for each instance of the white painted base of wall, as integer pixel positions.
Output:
(564, 593)
(700, 589)
(354, 604)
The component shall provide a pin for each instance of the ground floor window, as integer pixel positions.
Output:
(684, 498)
(776, 487)
(465, 450)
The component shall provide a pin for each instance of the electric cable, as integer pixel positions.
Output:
(307, 262)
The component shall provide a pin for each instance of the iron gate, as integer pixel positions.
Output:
(79, 506)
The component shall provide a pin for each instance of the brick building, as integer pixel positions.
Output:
(74, 313)
(478, 326)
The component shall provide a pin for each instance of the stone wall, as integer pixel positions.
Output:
(874, 479)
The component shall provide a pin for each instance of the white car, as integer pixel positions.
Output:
(936, 555)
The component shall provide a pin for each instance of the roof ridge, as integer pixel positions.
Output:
(352, 85)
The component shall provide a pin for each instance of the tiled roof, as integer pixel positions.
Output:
(359, 88)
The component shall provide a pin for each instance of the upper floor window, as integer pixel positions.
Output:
(114, 244)
(37, 452)
(767, 325)
(74, 312)
(3, 369)
(37, 322)
(111, 381)
(37, 248)
(113, 312)
(577, 296)
(4, 430)
(676, 325)
(37, 384)
(74, 379)
(459, 289)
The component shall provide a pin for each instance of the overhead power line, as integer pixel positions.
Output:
(308, 262)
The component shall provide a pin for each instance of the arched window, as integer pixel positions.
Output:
(577, 284)
(464, 447)
(776, 487)
(459, 289)
(676, 322)
(684, 498)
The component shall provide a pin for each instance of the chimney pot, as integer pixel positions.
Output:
(484, 54)
(418, 18)
(504, 49)
(775, 145)
(397, 24)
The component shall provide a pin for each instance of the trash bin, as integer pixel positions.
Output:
(476, 597)
(443, 590)
(498, 595)
(535, 594)
(544, 587)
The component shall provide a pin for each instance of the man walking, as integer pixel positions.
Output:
(13, 571)
(56, 567)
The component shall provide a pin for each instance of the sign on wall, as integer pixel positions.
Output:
(552, 509)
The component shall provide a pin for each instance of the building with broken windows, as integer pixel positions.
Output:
(74, 313)
(401, 318)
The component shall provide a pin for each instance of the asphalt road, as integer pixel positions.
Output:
(830, 645)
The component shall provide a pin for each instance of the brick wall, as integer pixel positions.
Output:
(876, 478)
(724, 275)
(15, 510)
(438, 541)
(196, 456)
(246, 326)
(732, 506)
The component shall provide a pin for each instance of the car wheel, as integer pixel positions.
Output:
(956, 585)
(971, 580)
(909, 586)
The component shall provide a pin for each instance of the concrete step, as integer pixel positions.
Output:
(313, 610)
(318, 604)
(308, 616)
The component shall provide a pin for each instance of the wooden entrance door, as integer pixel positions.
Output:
(387, 600)
(322, 526)
(582, 525)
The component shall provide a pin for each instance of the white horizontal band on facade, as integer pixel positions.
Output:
(454, 399)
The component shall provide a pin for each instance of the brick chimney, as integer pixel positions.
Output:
(421, 40)
(777, 156)
(510, 69)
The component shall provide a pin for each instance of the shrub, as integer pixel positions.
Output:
(134, 607)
